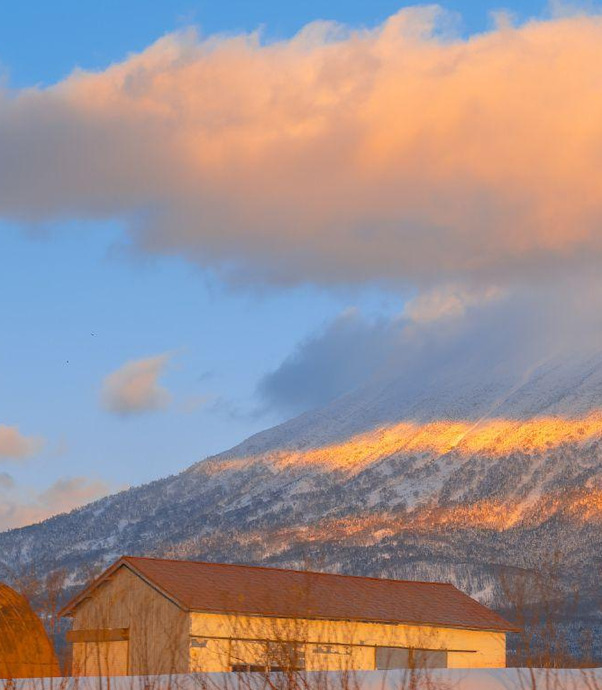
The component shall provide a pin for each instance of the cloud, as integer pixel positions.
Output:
(135, 387)
(345, 354)
(566, 8)
(402, 153)
(448, 302)
(463, 337)
(20, 506)
(65, 494)
(15, 446)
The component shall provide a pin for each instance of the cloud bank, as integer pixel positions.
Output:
(442, 334)
(401, 153)
(135, 387)
(343, 355)
(15, 446)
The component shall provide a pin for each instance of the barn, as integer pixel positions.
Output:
(25, 650)
(151, 616)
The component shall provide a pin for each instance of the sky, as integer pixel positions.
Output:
(214, 216)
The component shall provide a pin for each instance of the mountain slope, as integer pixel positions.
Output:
(471, 469)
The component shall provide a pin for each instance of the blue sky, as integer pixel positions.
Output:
(78, 305)
(79, 310)
(42, 42)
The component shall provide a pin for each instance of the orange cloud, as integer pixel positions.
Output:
(135, 387)
(400, 153)
(15, 446)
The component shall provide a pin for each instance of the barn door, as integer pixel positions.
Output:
(102, 659)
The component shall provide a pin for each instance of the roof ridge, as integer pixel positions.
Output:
(292, 570)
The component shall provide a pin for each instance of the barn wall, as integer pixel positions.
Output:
(156, 627)
(161, 638)
(220, 641)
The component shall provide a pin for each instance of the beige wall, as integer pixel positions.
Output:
(158, 630)
(334, 644)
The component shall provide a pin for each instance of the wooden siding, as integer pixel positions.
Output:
(220, 641)
(109, 635)
(157, 630)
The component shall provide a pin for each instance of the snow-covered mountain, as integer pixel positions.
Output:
(447, 474)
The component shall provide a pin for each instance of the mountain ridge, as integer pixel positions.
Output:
(448, 480)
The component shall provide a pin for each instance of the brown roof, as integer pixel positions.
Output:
(253, 590)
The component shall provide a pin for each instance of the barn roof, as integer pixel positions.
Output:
(25, 650)
(254, 590)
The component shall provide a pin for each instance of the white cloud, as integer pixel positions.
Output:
(15, 446)
(135, 386)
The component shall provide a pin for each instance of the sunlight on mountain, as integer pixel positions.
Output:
(491, 437)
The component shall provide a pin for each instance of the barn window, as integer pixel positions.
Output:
(392, 657)
(401, 657)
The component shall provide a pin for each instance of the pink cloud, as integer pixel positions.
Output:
(19, 506)
(15, 446)
(135, 387)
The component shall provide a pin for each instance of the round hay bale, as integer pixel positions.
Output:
(25, 649)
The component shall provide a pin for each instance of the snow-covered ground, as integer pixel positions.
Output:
(448, 679)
